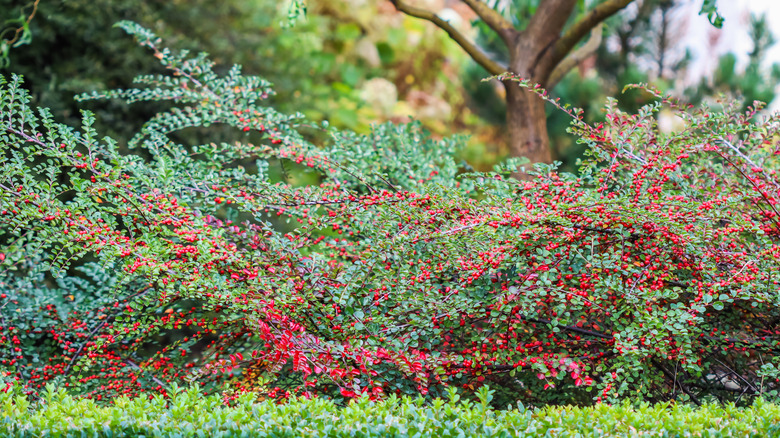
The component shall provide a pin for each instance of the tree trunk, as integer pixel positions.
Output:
(534, 53)
(527, 124)
(533, 56)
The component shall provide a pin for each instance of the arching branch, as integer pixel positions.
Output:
(579, 29)
(493, 67)
(494, 20)
(577, 56)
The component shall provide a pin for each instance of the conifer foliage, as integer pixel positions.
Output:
(652, 273)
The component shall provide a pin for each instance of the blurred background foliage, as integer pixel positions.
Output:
(358, 62)
(350, 62)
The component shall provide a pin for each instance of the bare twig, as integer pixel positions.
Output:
(674, 378)
(18, 31)
(154, 379)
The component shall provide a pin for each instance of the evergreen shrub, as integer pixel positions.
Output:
(650, 275)
(187, 413)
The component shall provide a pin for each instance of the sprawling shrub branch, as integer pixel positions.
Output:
(653, 273)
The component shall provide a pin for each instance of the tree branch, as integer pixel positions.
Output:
(577, 56)
(571, 328)
(548, 21)
(579, 29)
(494, 20)
(475, 52)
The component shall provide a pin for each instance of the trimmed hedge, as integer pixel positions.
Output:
(189, 413)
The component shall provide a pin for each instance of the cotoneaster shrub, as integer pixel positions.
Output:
(652, 274)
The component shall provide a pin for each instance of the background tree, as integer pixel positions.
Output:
(541, 42)
(349, 62)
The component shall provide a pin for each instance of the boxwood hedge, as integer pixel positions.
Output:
(191, 413)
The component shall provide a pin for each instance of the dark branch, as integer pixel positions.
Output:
(575, 57)
(548, 21)
(581, 28)
(571, 328)
(475, 52)
(494, 20)
(674, 380)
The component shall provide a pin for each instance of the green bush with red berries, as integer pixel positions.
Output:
(267, 260)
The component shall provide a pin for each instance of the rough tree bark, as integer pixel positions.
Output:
(543, 52)
(526, 123)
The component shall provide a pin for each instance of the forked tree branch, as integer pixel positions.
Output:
(494, 20)
(493, 67)
(579, 29)
(548, 21)
(577, 56)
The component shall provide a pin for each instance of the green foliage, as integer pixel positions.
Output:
(296, 11)
(650, 276)
(15, 31)
(189, 413)
(322, 66)
(73, 50)
(80, 185)
(710, 8)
